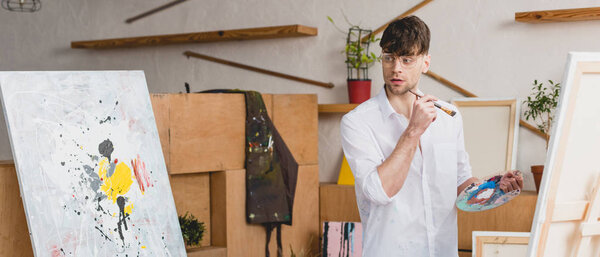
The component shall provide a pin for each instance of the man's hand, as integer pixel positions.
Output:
(512, 180)
(423, 114)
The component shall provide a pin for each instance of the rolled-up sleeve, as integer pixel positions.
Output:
(464, 167)
(360, 149)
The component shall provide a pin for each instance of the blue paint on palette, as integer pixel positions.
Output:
(484, 195)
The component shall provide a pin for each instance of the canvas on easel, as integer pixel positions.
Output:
(90, 165)
(567, 210)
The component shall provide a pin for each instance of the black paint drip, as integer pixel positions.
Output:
(122, 217)
(325, 238)
(106, 148)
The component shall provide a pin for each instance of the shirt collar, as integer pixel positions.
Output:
(384, 104)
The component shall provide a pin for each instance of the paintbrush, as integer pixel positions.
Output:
(446, 110)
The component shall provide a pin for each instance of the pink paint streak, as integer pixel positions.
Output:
(141, 174)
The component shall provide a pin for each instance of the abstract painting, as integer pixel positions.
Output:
(90, 165)
(342, 239)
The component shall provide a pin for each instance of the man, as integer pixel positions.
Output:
(408, 157)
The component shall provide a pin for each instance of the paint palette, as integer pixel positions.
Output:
(484, 195)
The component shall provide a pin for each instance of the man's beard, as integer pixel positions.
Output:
(397, 91)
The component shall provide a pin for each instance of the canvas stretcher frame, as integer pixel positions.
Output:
(481, 239)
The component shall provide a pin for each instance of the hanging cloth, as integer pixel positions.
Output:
(271, 170)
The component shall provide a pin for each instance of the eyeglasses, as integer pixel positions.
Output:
(407, 62)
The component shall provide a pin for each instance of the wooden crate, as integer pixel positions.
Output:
(209, 251)
(192, 194)
(160, 107)
(207, 132)
(338, 203)
(296, 119)
(228, 210)
(14, 234)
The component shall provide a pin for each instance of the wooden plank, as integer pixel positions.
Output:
(590, 225)
(297, 120)
(562, 15)
(7, 163)
(192, 194)
(154, 10)
(259, 70)
(207, 132)
(336, 108)
(200, 37)
(209, 251)
(517, 216)
(533, 129)
(160, 106)
(590, 229)
(569, 211)
(14, 233)
(449, 84)
(338, 203)
(228, 195)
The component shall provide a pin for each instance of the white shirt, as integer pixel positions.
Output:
(419, 220)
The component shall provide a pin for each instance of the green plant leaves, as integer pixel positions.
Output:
(542, 103)
(191, 229)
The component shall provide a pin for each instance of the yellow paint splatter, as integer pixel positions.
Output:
(117, 184)
(143, 247)
(128, 208)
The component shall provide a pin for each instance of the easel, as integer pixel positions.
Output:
(590, 226)
(584, 211)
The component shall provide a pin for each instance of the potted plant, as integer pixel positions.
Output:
(541, 105)
(358, 61)
(191, 229)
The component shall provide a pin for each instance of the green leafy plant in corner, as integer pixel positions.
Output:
(358, 56)
(191, 229)
(541, 105)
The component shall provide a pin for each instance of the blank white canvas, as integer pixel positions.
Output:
(486, 132)
(90, 165)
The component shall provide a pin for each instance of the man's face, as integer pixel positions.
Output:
(402, 73)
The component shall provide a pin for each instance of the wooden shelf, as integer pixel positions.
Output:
(7, 163)
(201, 37)
(581, 14)
(208, 251)
(336, 108)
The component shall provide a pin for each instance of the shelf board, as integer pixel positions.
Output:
(208, 251)
(580, 14)
(201, 37)
(7, 163)
(336, 108)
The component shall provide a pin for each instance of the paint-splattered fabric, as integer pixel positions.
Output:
(271, 170)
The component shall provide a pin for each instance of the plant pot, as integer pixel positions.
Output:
(359, 90)
(538, 171)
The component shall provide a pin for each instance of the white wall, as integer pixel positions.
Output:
(475, 44)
